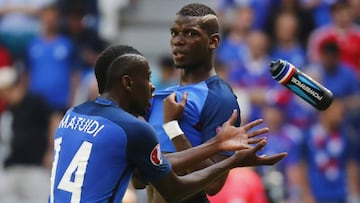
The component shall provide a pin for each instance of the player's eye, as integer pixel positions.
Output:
(173, 33)
(190, 33)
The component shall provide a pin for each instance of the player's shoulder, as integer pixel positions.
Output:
(119, 117)
(215, 81)
(218, 88)
(128, 122)
(105, 109)
(125, 120)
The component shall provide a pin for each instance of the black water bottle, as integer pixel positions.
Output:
(301, 84)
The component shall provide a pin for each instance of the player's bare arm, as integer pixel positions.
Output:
(192, 183)
(229, 138)
(173, 111)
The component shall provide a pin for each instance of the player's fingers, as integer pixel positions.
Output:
(171, 97)
(246, 146)
(255, 140)
(252, 124)
(184, 98)
(260, 144)
(258, 132)
(271, 160)
(232, 118)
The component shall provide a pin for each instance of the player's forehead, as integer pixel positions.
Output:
(192, 21)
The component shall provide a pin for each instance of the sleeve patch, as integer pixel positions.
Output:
(155, 156)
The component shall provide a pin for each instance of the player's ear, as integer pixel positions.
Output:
(214, 40)
(126, 82)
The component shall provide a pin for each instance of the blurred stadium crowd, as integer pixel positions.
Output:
(48, 49)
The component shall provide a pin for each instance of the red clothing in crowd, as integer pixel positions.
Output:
(348, 41)
(243, 185)
(5, 61)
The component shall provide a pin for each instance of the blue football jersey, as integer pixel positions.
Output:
(96, 148)
(210, 103)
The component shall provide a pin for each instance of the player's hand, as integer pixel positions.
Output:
(249, 157)
(172, 109)
(231, 138)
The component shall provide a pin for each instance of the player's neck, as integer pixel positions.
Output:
(108, 96)
(193, 76)
(120, 101)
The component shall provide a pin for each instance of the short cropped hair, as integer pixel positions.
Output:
(106, 59)
(196, 9)
(201, 10)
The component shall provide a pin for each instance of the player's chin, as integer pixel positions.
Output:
(181, 65)
(144, 111)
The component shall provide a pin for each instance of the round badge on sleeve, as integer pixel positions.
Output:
(155, 155)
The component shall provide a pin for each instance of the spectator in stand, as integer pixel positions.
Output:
(51, 63)
(286, 44)
(87, 45)
(320, 9)
(253, 75)
(86, 40)
(260, 7)
(51, 69)
(328, 162)
(344, 31)
(18, 24)
(91, 16)
(166, 74)
(280, 180)
(303, 17)
(233, 45)
(342, 81)
(24, 131)
(336, 75)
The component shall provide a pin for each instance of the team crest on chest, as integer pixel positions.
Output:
(155, 155)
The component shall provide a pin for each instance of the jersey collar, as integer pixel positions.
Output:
(106, 102)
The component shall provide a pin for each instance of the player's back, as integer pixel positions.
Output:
(90, 157)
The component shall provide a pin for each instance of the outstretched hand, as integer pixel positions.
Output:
(173, 110)
(249, 157)
(231, 138)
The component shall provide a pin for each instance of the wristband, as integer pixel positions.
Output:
(172, 129)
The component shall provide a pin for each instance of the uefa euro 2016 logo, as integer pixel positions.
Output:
(155, 156)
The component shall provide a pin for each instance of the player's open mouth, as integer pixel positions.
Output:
(178, 55)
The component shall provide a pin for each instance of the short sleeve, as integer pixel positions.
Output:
(143, 151)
